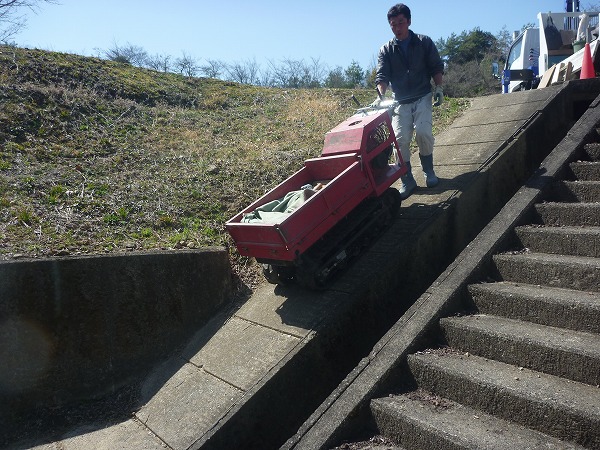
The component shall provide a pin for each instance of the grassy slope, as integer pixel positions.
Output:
(99, 157)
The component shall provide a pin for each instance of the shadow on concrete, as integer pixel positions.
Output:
(49, 424)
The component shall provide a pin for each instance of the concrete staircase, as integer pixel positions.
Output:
(523, 369)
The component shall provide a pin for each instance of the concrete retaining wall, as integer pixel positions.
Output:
(77, 328)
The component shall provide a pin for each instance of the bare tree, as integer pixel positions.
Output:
(160, 63)
(236, 72)
(317, 71)
(245, 72)
(503, 42)
(253, 69)
(186, 65)
(213, 68)
(128, 54)
(11, 19)
(266, 78)
(296, 73)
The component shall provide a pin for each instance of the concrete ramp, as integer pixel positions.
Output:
(255, 373)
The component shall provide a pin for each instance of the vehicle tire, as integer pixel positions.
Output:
(270, 274)
(393, 201)
(278, 275)
(308, 279)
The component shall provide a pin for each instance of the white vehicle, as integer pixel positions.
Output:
(550, 55)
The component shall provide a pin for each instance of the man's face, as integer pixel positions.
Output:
(399, 26)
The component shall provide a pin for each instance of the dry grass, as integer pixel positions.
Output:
(99, 157)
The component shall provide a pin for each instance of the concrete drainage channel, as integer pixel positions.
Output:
(503, 350)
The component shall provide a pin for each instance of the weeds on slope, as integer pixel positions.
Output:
(101, 157)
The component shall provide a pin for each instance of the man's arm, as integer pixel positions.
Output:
(382, 87)
(438, 93)
(382, 76)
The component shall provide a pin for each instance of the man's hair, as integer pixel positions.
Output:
(397, 9)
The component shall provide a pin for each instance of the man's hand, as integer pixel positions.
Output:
(438, 95)
(376, 103)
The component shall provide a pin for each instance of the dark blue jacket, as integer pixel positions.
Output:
(410, 76)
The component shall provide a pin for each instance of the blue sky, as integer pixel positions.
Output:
(335, 32)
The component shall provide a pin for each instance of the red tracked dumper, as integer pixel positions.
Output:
(343, 201)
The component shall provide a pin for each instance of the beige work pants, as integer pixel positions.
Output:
(414, 118)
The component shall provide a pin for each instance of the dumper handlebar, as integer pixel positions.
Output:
(388, 104)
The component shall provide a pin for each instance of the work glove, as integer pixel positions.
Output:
(438, 95)
(376, 103)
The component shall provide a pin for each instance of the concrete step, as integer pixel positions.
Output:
(565, 214)
(574, 355)
(592, 150)
(571, 240)
(574, 191)
(562, 408)
(586, 170)
(562, 271)
(566, 308)
(420, 420)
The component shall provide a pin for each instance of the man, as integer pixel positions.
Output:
(408, 62)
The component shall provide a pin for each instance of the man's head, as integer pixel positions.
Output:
(399, 20)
